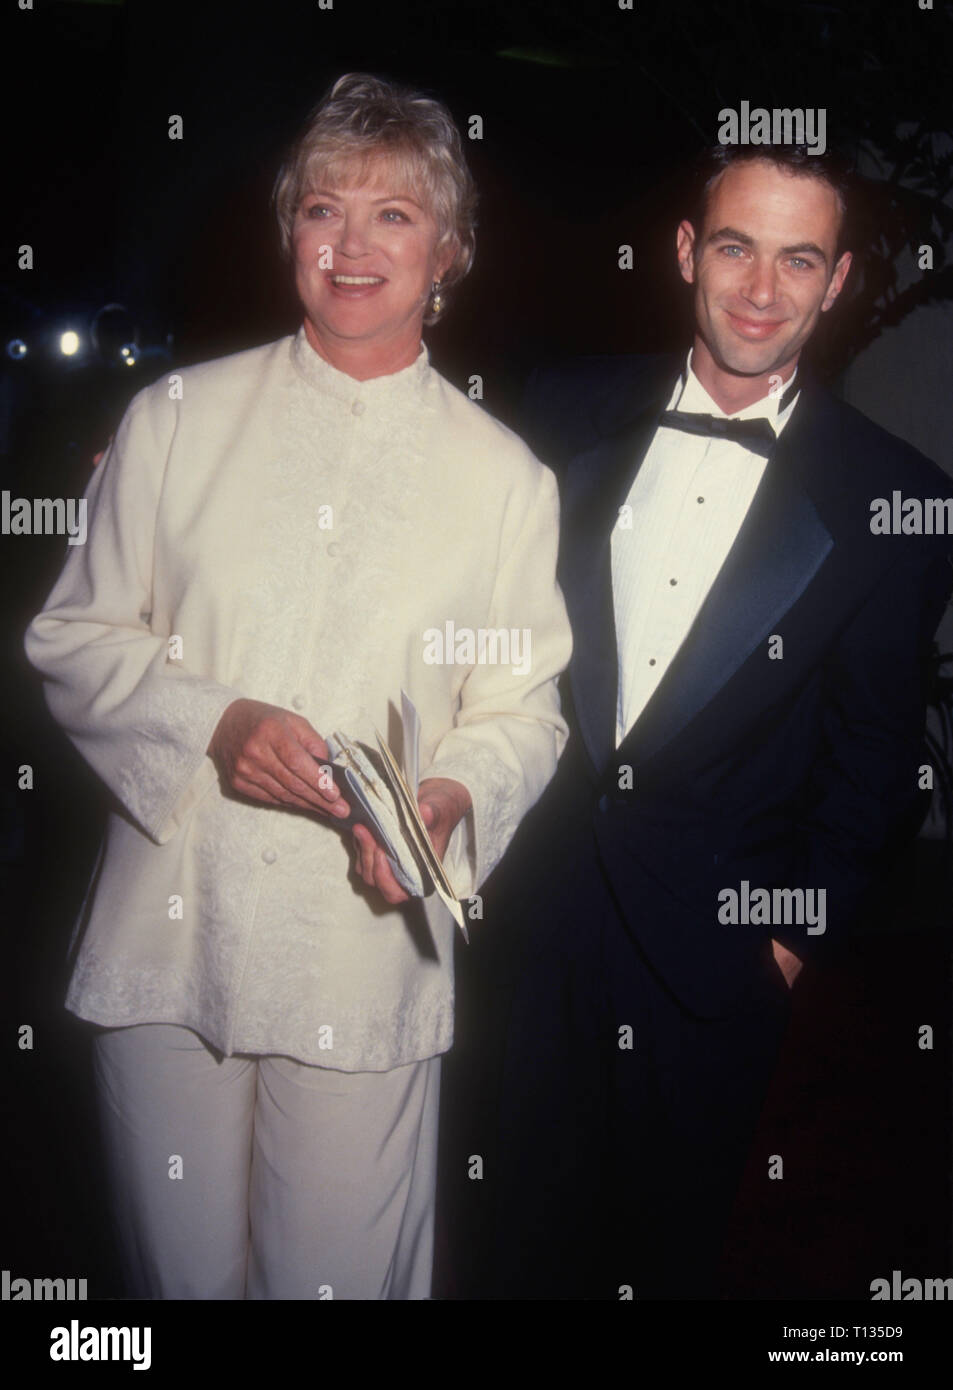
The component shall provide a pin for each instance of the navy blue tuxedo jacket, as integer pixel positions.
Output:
(798, 772)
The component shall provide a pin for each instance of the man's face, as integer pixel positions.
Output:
(762, 266)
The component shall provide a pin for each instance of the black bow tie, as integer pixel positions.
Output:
(757, 435)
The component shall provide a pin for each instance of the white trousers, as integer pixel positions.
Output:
(262, 1177)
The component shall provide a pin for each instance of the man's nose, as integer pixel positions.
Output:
(761, 285)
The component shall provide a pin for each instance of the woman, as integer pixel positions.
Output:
(272, 537)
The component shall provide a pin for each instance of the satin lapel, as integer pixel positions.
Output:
(597, 486)
(779, 549)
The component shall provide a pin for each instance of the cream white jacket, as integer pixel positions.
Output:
(265, 526)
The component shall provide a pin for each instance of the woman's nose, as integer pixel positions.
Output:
(355, 237)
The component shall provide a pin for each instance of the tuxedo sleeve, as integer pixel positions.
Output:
(864, 795)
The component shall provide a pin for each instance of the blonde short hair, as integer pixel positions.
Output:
(362, 117)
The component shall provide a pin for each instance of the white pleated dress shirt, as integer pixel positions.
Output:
(686, 506)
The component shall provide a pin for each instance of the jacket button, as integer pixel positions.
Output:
(358, 408)
(269, 856)
(297, 702)
(333, 548)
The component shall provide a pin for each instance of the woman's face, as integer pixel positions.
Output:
(365, 259)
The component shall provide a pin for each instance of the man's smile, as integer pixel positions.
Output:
(755, 329)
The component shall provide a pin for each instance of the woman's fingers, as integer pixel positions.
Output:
(275, 756)
(307, 777)
(260, 787)
(364, 849)
(374, 869)
(266, 765)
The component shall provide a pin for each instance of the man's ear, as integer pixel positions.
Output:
(685, 247)
(837, 281)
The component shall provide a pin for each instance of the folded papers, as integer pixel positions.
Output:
(380, 797)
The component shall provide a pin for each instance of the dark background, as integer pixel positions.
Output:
(590, 113)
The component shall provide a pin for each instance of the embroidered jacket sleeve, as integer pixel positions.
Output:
(509, 731)
(135, 711)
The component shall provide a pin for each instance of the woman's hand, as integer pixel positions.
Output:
(442, 803)
(272, 755)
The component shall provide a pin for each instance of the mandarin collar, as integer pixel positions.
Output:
(321, 375)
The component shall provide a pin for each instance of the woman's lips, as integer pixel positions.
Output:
(755, 329)
(355, 286)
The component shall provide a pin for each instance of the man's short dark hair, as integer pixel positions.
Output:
(831, 167)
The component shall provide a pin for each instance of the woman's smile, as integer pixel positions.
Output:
(355, 286)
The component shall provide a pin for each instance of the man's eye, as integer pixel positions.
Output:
(728, 250)
(800, 263)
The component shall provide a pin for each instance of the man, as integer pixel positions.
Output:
(748, 690)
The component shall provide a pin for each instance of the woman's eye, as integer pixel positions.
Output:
(394, 215)
(317, 210)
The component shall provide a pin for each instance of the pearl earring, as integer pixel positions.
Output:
(436, 304)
